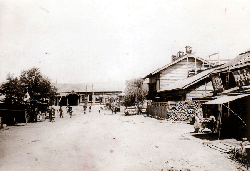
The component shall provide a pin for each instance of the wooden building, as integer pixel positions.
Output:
(195, 87)
(177, 90)
(230, 102)
(170, 76)
(224, 93)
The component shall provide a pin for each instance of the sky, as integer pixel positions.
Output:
(90, 41)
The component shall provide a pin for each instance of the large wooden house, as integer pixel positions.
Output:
(195, 87)
(175, 76)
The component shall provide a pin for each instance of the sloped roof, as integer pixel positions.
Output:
(184, 83)
(241, 60)
(89, 87)
(178, 60)
(226, 99)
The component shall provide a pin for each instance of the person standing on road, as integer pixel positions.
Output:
(67, 109)
(61, 112)
(50, 115)
(84, 108)
(70, 111)
(26, 116)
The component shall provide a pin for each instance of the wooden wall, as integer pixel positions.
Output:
(180, 71)
(203, 90)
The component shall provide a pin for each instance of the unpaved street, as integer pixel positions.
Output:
(106, 142)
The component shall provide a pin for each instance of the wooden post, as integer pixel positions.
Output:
(1, 122)
(155, 109)
(158, 110)
(248, 119)
(205, 88)
(165, 111)
(219, 119)
(162, 109)
(26, 116)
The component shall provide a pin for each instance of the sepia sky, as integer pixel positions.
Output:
(88, 41)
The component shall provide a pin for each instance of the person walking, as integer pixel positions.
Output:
(84, 108)
(61, 112)
(70, 111)
(90, 108)
(50, 115)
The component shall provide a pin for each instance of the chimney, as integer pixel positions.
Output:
(174, 57)
(180, 54)
(188, 49)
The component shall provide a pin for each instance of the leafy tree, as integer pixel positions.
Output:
(37, 85)
(12, 89)
(135, 92)
(30, 81)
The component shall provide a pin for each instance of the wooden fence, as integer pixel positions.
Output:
(158, 109)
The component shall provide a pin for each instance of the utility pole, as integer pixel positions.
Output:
(86, 97)
(92, 95)
(212, 55)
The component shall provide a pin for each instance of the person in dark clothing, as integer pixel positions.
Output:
(50, 115)
(61, 112)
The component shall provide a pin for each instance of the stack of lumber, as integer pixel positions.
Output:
(183, 111)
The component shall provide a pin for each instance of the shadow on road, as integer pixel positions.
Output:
(205, 136)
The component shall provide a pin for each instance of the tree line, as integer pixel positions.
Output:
(31, 81)
(40, 87)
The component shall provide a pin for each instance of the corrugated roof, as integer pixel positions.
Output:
(178, 60)
(226, 99)
(184, 83)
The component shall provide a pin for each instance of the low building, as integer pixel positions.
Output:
(75, 94)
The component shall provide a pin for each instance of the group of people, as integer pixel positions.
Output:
(51, 112)
(85, 108)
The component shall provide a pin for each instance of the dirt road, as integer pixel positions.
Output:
(106, 142)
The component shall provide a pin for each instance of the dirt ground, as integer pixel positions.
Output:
(107, 142)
